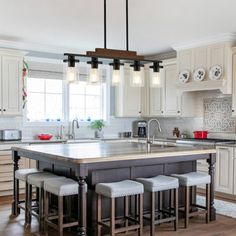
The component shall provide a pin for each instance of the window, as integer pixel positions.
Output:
(87, 102)
(50, 100)
(44, 99)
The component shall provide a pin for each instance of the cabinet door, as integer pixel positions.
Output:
(128, 98)
(234, 84)
(155, 105)
(11, 85)
(224, 170)
(171, 97)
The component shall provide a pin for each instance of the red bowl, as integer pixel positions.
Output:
(200, 134)
(45, 136)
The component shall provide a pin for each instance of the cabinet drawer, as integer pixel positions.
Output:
(8, 185)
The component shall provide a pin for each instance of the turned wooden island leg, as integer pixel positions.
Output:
(82, 207)
(211, 161)
(15, 208)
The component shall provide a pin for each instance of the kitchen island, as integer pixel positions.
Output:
(92, 163)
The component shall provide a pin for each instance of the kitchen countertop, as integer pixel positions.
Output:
(111, 151)
(33, 141)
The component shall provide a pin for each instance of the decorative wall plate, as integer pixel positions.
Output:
(199, 74)
(184, 76)
(215, 72)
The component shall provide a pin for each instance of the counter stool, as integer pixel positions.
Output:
(38, 180)
(115, 190)
(193, 179)
(157, 185)
(22, 174)
(59, 187)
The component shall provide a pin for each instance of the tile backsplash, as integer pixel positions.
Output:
(218, 115)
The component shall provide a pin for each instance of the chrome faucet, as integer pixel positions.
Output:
(74, 122)
(148, 133)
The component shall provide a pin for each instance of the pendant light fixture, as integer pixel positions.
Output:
(137, 78)
(94, 76)
(72, 72)
(155, 81)
(116, 73)
(118, 57)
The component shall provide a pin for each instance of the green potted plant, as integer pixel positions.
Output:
(97, 125)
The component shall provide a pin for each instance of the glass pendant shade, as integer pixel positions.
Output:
(94, 76)
(115, 77)
(137, 78)
(72, 74)
(155, 80)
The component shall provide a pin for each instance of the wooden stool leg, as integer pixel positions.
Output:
(26, 203)
(112, 225)
(126, 208)
(176, 207)
(99, 214)
(152, 223)
(140, 214)
(170, 201)
(41, 211)
(186, 222)
(208, 205)
(46, 210)
(29, 200)
(60, 215)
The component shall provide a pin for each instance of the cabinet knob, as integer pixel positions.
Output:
(178, 111)
(4, 109)
(162, 111)
(232, 110)
(0, 109)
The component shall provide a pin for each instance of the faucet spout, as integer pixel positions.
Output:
(149, 124)
(75, 123)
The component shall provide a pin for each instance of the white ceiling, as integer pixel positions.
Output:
(155, 25)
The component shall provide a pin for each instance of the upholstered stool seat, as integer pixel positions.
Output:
(38, 179)
(60, 187)
(193, 178)
(22, 174)
(158, 184)
(119, 189)
(123, 189)
(190, 181)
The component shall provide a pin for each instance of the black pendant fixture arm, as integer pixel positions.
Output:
(71, 60)
(127, 25)
(105, 24)
(156, 66)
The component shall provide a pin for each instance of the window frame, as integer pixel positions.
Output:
(65, 100)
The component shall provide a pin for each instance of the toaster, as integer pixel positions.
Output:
(10, 134)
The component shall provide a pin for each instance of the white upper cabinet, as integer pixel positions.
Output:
(128, 98)
(11, 83)
(205, 57)
(234, 84)
(171, 97)
(166, 100)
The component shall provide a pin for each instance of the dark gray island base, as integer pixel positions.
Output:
(94, 163)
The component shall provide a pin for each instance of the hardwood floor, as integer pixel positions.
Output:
(223, 226)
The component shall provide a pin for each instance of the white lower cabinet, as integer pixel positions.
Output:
(225, 170)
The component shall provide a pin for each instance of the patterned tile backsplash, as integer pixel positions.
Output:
(218, 115)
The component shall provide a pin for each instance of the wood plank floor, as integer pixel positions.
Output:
(223, 226)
